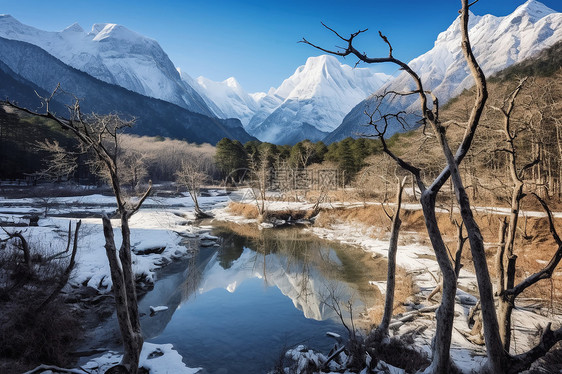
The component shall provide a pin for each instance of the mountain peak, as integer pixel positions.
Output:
(534, 9)
(6, 19)
(75, 27)
(321, 61)
(232, 82)
(111, 30)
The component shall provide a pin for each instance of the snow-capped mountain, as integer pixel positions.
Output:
(313, 101)
(497, 43)
(113, 54)
(26, 69)
(229, 97)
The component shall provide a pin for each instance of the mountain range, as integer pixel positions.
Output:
(497, 43)
(117, 70)
(27, 69)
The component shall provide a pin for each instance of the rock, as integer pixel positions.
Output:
(156, 309)
(34, 220)
(207, 243)
(208, 237)
(147, 251)
(156, 353)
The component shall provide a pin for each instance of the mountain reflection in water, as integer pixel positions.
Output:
(235, 308)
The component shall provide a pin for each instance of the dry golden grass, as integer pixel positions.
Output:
(251, 211)
(244, 210)
(403, 292)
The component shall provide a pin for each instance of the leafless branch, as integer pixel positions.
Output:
(547, 271)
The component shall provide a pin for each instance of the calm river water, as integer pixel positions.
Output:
(237, 307)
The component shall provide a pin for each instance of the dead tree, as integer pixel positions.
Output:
(192, 176)
(259, 173)
(549, 338)
(99, 136)
(505, 262)
(506, 257)
(391, 273)
(430, 116)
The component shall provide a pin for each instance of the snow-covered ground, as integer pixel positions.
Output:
(161, 223)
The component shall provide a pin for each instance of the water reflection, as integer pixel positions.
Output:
(255, 294)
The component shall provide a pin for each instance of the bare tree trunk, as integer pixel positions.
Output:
(125, 303)
(391, 273)
(446, 312)
(496, 356)
(499, 256)
(130, 288)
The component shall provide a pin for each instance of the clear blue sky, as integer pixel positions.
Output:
(256, 40)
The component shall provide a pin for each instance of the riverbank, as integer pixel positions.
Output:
(157, 232)
(365, 225)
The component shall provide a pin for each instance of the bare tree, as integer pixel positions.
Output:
(133, 165)
(391, 273)
(445, 313)
(61, 163)
(192, 175)
(506, 257)
(506, 271)
(259, 167)
(99, 136)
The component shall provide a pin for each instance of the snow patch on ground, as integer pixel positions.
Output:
(157, 358)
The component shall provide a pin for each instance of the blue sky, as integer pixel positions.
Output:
(256, 40)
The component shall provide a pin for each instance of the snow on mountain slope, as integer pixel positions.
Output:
(497, 43)
(312, 101)
(113, 54)
(210, 103)
(229, 97)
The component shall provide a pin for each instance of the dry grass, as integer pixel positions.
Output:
(31, 334)
(244, 210)
(250, 211)
(403, 292)
(372, 215)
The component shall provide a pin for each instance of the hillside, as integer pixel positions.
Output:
(154, 117)
(536, 120)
